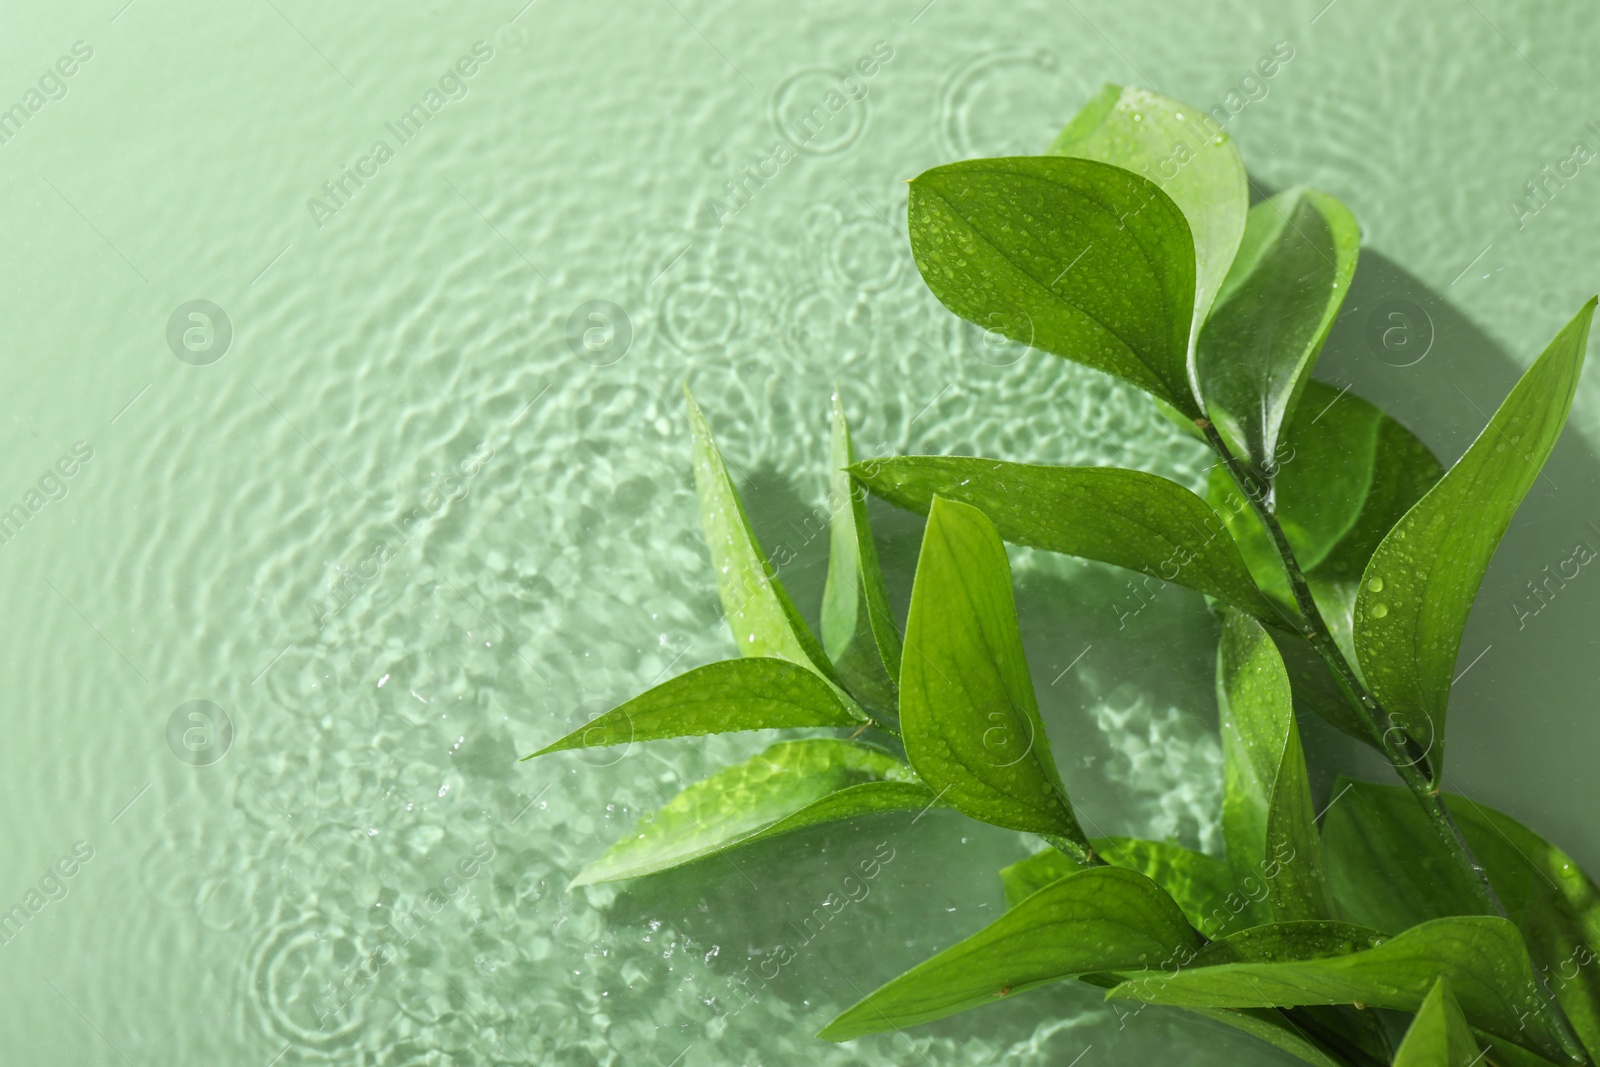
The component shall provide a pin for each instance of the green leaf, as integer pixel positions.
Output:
(1276, 1029)
(1483, 957)
(1085, 260)
(1103, 919)
(1439, 1035)
(1346, 474)
(1420, 583)
(1197, 883)
(791, 785)
(1388, 868)
(1125, 517)
(1279, 942)
(1268, 822)
(1167, 142)
(1273, 314)
(857, 629)
(764, 620)
(736, 694)
(968, 715)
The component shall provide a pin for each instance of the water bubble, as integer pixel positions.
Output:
(1378, 611)
(1375, 584)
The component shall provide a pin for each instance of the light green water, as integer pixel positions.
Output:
(402, 408)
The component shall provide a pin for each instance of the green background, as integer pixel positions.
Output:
(239, 911)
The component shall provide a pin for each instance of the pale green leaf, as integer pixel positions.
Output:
(1273, 314)
(1103, 919)
(1075, 257)
(1268, 822)
(791, 785)
(736, 694)
(857, 629)
(1483, 957)
(764, 620)
(1183, 152)
(1419, 586)
(968, 714)
(1439, 1035)
(1125, 517)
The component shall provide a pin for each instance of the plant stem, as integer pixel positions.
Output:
(1410, 762)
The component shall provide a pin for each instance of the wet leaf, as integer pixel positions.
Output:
(857, 628)
(1071, 256)
(1168, 142)
(1284, 942)
(1125, 517)
(764, 620)
(968, 714)
(736, 694)
(1103, 919)
(1483, 958)
(1419, 585)
(1389, 869)
(1273, 314)
(1197, 883)
(791, 785)
(1268, 822)
(1439, 1035)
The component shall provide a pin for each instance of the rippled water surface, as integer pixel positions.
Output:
(415, 510)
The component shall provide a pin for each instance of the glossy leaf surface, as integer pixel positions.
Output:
(736, 694)
(1268, 822)
(1273, 314)
(857, 628)
(1169, 143)
(791, 785)
(1071, 256)
(1419, 585)
(968, 714)
(1125, 517)
(1104, 919)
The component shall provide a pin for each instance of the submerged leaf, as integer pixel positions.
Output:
(764, 620)
(1075, 257)
(1274, 312)
(1418, 587)
(1439, 1035)
(1483, 957)
(1187, 155)
(736, 694)
(1125, 517)
(968, 714)
(1268, 822)
(857, 629)
(1103, 919)
(791, 785)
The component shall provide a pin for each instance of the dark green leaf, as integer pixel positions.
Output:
(763, 618)
(1439, 1036)
(1483, 957)
(1276, 1029)
(1199, 884)
(857, 629)
(1170, 143)
(1268, 822)
(1388, 868)
(968, 714)
(1125, 517)
(1346, 473)
(1103, 919)
(791, 785)
(1419, 585)
(736, 694)
(1273, 314)
(1072, 256)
